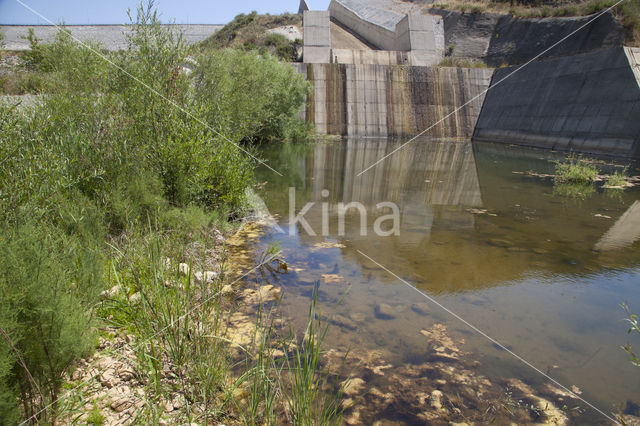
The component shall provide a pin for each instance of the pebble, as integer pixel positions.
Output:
(435, 400)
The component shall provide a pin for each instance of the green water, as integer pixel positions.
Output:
(538, 268)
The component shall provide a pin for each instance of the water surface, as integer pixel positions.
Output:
(486, 234)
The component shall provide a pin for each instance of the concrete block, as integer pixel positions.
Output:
(316, 36)
(418, 22)
(316, 18)
(316, 55)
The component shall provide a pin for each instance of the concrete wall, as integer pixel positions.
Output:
(380, 57)
(303, 7)
(376, 26)
(379, 100)
(584, 103)
(499, 39)
(110, 37)
(423, 35)
(317, 37)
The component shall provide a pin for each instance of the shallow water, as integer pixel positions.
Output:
(541, 271)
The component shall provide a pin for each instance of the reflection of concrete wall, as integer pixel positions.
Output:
(585, 103)
(420, 179)
(625, 231)
(421, 174)
(378, 100)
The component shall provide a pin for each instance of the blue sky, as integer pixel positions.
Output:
(80, 12)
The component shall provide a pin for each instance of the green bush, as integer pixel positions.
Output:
(248, 27)
(111, 154)
(262, 95)
(49, 282)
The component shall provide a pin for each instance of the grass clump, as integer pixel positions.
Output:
(461, 63)
(617, 179)
(634, 327)
(575, 170)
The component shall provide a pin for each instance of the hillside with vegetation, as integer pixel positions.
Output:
(627, 12)
(250, 32)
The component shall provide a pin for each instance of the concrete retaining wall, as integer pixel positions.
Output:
(379, 100)
(503, 39)
(380, 57)
(422, 35)
(585, 103)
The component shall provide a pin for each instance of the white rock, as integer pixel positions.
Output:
(207, 276)
(435, 401)
(111, 293)
(184, 269)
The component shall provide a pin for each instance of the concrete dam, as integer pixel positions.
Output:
(377, 73)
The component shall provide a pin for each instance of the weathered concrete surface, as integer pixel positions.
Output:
(111, 37)
(585, 103)
(422, 35)
(379, 100)
(341, 38)
(304, 6)
(317, 37)
(502, 39)
(380, 57)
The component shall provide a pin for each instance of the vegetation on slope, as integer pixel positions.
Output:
(118, 164)
(249, 32)
(628, 12)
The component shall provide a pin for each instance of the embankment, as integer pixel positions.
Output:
(381, 100)
(503, 39)
(585, 103)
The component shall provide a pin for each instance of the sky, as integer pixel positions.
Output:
(86, 12)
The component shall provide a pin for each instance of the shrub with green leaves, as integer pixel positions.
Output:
(253, 97)
(110, 152)
(49, 283)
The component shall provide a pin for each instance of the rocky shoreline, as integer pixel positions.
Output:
(446, 388)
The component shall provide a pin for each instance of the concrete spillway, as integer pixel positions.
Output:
(380, 100)
(585, 103)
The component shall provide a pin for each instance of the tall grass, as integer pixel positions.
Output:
(312, 397)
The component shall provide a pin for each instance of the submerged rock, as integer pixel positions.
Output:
(435, 400)
(354, 386)
(358, 316)
(421, 308)
(384, 311)
(344, 322)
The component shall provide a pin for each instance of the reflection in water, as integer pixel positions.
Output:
(488, 240)
(624, 232)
